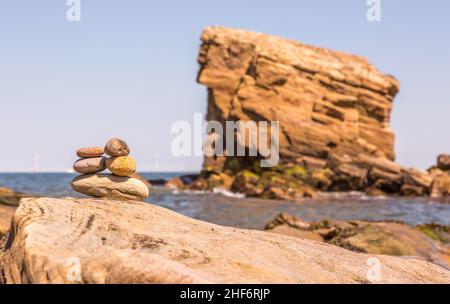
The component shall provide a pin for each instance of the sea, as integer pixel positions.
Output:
(230, 209)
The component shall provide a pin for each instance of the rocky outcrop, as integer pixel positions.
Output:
(334, 112)
(441, 177)
(102, 241)
(444, 162)
(6, 213)
(430, 242)
(9, 200)
(12, 198)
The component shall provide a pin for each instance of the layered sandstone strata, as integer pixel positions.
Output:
(334, 111)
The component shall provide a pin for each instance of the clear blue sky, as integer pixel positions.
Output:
(128, 69)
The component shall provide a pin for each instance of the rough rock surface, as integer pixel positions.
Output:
(111, 186)
(54, 240)
(334, 111)
(430, 242)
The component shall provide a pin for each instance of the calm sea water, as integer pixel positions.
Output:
(254, 213)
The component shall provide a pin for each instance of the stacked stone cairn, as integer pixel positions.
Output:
(121, 184)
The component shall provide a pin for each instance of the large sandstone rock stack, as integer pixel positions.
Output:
(334, 112)
(103, 241)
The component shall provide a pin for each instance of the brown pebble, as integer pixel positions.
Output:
(90, 152)
(90, 165)
(117, 147)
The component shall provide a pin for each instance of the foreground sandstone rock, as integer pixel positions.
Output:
(133, 242)
(334, 111)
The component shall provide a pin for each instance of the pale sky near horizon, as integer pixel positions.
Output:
(128, 69)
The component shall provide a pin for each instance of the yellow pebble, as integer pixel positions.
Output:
(122, 165)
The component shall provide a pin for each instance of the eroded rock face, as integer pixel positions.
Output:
(134, 242)
(334, 110)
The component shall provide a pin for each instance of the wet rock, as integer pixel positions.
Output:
(175, 183)
(90, 152)
(189, 178)
(122, 165)
(436, 232)
(117, 147)
(110, 186)
(322, 179)
(348, 177)
(441, 183)
(133, 242)
(246, 182)
(289, 220)
(389, 238)
(158, 181)
(90, 165)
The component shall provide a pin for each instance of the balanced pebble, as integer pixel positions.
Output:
(122, 165)
(90, 165)
(117, 147)
(110, 186)
(90, 152)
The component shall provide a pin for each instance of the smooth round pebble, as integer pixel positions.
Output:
(90, 152)
(90, 165)
(122, 165)
(117, 147)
